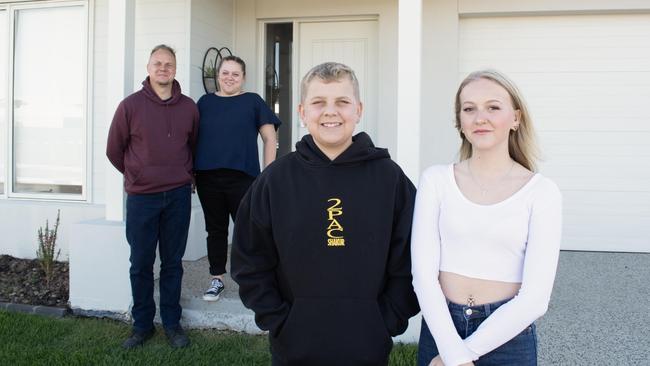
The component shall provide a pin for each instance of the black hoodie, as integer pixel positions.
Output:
(321, 254)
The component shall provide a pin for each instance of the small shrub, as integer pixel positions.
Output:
(47, 252)
(209, 72)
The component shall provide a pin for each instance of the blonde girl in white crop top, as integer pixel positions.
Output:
(486, 235)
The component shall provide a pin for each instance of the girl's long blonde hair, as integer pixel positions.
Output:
(522, 143)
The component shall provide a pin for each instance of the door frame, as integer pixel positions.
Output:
(295, 59)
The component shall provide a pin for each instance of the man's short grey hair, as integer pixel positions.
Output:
(329, 72)
(165, 48)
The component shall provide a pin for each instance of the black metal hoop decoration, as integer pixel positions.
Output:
(211, 60)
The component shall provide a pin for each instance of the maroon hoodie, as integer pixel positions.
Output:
(151, 141)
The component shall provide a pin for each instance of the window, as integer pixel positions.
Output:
(43, 99)
(49, 100)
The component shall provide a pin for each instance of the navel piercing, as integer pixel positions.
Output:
(470, 303)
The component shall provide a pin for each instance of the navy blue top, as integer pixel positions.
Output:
(228, 131)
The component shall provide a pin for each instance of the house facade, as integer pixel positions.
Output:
(65, 65)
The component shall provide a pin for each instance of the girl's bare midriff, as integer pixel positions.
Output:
(459, 289)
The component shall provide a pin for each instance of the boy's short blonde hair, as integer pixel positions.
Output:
(329, 72)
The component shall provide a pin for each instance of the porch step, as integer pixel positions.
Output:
(224, 314)
(227, 313)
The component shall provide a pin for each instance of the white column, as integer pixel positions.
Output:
(121, 15)
(409, 73)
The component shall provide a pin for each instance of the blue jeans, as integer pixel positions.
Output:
(521, 350)
(163, 220)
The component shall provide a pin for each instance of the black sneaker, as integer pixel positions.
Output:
(137, 339)
(215, 289)
(177, 337)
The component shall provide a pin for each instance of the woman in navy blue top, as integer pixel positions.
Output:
(226, 160)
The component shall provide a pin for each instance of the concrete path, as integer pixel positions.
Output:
(599, 312)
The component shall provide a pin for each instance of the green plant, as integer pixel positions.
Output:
(209, 72)
(47, 252)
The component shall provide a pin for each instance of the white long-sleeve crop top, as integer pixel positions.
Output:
(515, 240)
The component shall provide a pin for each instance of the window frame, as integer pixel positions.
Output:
(86, 175)
(6, 145)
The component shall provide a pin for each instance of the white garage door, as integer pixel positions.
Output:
(587, 81)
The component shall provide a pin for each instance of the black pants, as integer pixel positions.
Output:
(220, 191)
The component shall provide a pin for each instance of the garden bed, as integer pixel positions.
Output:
(22, 281)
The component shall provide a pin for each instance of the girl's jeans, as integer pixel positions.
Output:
(521, 350)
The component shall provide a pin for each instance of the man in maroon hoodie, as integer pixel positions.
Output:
(151, 141)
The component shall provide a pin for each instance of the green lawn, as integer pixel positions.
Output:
(35, 340)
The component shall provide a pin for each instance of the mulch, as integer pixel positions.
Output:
(22, 281)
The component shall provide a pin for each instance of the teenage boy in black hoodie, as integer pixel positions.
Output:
(321, 241)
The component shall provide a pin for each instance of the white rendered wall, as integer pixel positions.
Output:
(211, 26)
(102, 115)
(99, 267)
(409, 87)
(99, 252)
(20, 220)
(439, 141)
(158, 22)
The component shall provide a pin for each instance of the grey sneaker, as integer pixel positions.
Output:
(215, 289)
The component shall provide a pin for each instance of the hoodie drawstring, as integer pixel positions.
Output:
(169, 122)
